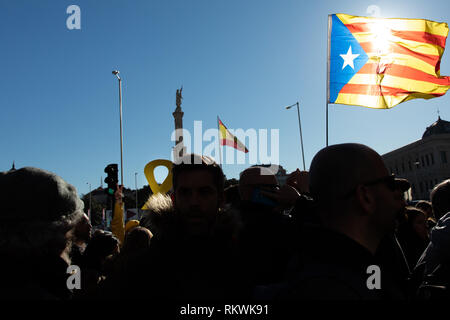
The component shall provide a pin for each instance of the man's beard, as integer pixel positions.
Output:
(196, 223)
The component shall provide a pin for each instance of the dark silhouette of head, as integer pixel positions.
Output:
(137, 239)
(198, 184)
(426, 207)
(354, 192)
(255, 178)
(37, 218)
(39, 227)
(102, 245)
(416, 222)
(440, 199)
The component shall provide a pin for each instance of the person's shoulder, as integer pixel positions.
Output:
(444, 220)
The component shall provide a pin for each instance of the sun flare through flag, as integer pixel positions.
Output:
(379, 63)
(227, 139)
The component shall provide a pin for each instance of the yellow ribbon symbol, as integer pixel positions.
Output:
(150, 175)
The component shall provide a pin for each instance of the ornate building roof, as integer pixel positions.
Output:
(438, 127)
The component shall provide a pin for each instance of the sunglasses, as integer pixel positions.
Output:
(388, 181)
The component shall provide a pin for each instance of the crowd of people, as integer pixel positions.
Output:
(342, 231)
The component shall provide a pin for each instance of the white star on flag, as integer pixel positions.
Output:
(348, 58)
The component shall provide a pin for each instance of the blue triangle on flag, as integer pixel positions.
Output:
(341, 40)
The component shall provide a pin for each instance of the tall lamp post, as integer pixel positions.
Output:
(300, 127)
(417, 163)
(116, 73)
(90, 199)
(135, 184)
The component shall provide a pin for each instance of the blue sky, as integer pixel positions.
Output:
(241, 60)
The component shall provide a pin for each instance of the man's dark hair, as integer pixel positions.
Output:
(423, 205)
(412, 213)
(191, 162)
(440, 199)
(102, 244)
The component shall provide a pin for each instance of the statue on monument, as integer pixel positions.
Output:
(179, 98)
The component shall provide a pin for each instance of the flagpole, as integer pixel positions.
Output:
(220, 148)
(328, 74)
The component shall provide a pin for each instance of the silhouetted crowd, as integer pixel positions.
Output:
(342, 231)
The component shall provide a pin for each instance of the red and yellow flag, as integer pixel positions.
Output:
(227, 139)
(379, 63)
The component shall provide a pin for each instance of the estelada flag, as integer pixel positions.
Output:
(227, 139)
(379, 63)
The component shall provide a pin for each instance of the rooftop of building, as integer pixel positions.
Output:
(438, 127)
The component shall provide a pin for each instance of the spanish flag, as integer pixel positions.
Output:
(227, 139)
(379, 63)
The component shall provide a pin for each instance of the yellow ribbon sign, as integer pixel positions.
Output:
(150, 175)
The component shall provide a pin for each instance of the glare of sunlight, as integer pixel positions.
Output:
(383, 36)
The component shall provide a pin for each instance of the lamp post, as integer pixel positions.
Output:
(90, 199)
(135, 184)
(417, 179)
(116, 73)
(300, 127)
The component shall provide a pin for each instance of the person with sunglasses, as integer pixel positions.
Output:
(356, 202)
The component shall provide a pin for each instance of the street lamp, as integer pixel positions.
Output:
(116, 73)
(300, 127)
(417, 179)
(135, 184)
(90, 199)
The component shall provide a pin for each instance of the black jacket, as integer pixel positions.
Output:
(331, 266)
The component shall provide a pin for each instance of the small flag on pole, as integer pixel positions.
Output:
(103, 214)
(227, 139)
(379, 63)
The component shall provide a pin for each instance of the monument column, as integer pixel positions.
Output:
(179, 149)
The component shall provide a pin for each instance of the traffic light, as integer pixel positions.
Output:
(112, 179)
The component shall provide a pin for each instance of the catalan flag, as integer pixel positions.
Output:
(379, 63)
(227, 139)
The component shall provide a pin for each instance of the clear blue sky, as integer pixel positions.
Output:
(241, 60)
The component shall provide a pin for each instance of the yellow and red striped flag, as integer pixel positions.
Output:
(379, 63)
(227, 139)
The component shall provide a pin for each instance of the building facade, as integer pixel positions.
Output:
(425, 162)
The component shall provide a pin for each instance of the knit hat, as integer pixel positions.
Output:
(31, 194)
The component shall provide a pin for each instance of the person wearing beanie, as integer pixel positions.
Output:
(38, 214)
